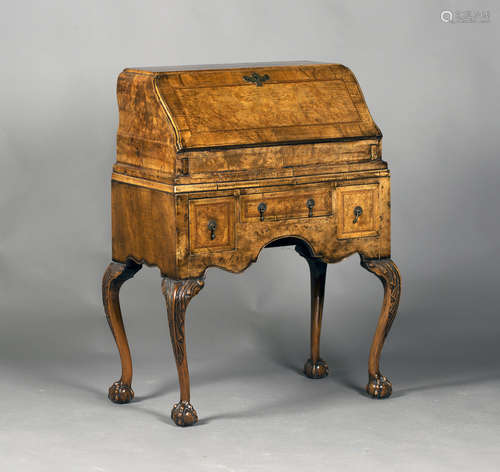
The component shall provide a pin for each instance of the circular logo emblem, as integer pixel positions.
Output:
(446, 16)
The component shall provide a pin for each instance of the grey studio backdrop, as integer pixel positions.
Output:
(431, 86)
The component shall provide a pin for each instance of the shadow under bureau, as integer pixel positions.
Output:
(215, 163)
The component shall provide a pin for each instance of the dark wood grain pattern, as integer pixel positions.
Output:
(115, 276)
(379, 386)
(178, 294)
(215, 164)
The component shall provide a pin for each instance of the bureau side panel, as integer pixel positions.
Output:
(143, 225)
(145, 138)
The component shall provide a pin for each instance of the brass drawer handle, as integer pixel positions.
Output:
(262, 208)
(310, 204)
(257, 79)
(211, 226)
(357, 213)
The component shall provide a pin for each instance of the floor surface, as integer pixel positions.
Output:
(257, 411)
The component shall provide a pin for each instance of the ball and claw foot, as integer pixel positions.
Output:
(184, 414)
(120, 393)
(379, 386)
(316, 370)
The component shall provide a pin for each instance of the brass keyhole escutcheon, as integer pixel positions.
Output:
(262, 208)
(358, 211)
(310, 205)
(212, 225)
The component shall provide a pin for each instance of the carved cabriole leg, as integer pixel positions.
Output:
(378, 385)
(315, 367)
(178, 294)
(115, 276)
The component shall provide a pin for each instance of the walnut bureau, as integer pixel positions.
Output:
(215, 163)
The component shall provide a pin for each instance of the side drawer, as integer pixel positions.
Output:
(358, 211)
(211, 224)
(309, 201)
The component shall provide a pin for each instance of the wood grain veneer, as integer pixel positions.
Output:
(215, 163)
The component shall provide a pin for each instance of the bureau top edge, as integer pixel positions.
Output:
(153, 70)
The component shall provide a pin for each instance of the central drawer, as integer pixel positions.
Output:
(301, 202)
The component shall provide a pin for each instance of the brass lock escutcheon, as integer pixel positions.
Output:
(358, 211)
(212, 225)
(257, 79)
(310, 205)
(262, 208)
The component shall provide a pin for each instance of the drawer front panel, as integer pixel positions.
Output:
(297, 203)
(358, 211)
(211, 224)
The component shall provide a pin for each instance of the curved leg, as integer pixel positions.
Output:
(178, 294)
(315, 367)
(378, 385)
(115, 276)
